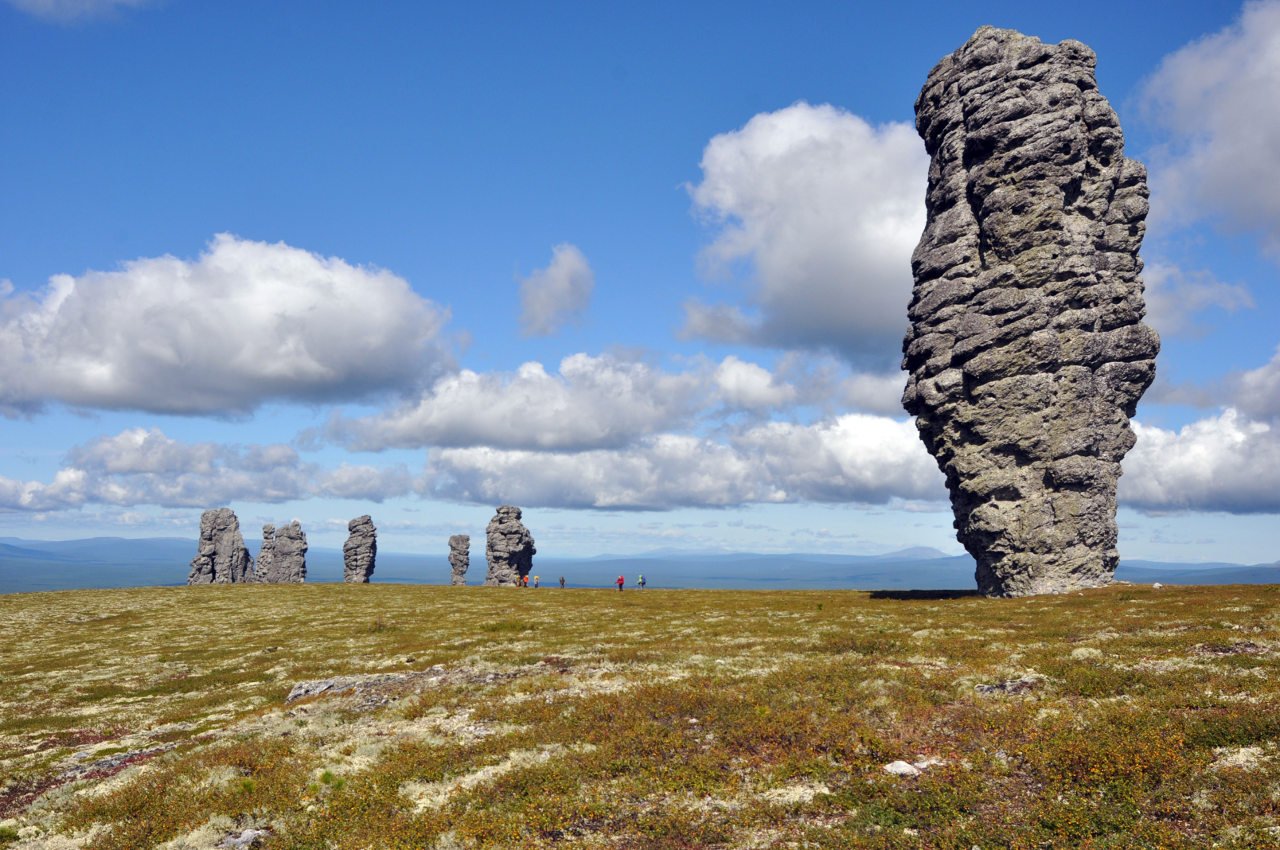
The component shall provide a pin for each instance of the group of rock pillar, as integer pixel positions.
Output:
(222, 558)
(508, 550)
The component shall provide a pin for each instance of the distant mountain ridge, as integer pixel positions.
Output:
(104, 562)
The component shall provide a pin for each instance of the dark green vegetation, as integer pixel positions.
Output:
(1122, 717)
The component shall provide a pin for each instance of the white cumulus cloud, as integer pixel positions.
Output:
(750, 386)
(605, 402)
(874, 392)
(148, 451)
(1226, 462)
(667, 471)
(371, 483)
(590, 402)
(66, 490)
(853, 458)
(828, 383)
(1216, 98)
(1253, 392)
(1258, 390)
(143, 466)
(245, 323)
(825, 209)
(560, 293)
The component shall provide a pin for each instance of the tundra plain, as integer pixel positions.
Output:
(1127, 716)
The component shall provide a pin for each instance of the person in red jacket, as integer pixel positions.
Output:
(619, 584)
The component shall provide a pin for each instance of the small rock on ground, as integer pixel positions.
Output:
(901, 768)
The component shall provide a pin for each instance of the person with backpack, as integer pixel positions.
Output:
(640, 581)
(562, 582)
(620, 580)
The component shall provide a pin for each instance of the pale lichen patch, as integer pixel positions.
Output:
(1239, 758)
(432, 795)
(207, 836)
(800, 792)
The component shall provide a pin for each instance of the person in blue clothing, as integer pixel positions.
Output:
(640, 581)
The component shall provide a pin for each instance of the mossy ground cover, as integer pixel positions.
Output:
(489, 717)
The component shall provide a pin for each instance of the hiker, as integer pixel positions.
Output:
(619, 584)
(535, 581)
(524, 581)
(562, 582)
(640, 581)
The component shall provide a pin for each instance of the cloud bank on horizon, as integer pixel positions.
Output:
(774, 381)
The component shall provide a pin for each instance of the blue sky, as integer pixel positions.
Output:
(641, 269)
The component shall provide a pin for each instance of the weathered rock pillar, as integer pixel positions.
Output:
(360, 552)
(221, 556)
(459, 557)
(283, 557)
(264, 569)
(1027, 354)
(508, 547)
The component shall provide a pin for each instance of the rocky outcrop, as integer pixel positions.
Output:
(221, 556)
(360, 552)
(459, 557)
(1027, 354)
(283, 558)
(508, 547)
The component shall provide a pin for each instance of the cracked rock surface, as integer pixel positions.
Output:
(508, 547)
(221, 556)
(360, 552)
(1027, 353)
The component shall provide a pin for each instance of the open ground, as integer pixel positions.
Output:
(1128, 716)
